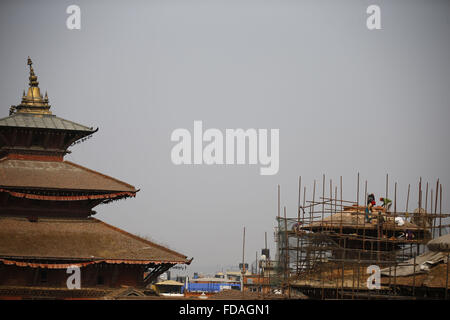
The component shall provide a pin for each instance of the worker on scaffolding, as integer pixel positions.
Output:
(380, 223)
(386, 204)
(297, 227)
(409, 235)
(370, 204)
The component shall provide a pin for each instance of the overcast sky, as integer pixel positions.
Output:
(346, 100)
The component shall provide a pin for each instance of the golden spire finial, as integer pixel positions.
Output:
(32, 102)
(33, 77)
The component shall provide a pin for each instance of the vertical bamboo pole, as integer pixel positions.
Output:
(335, 212)
(342, 208)
(311, 211)
(364, 230)
(286, 254)
(407, 199)
(298, 221)
(395, 206)
(265, 240)
(313, 201)
(395, 252)
(331, 205)
(431, 202)
(312, 214)
(340, 229)
(268, 265)
(258, 273)
(420, 209)
(279, 244)
(243, 250)
(414, 276)
(446, 279)
(435, 204)
(440, 210)
(343, 269)
(279, 201)
(387, 184)
(357, 205)
(243, 262)
(303, 256)
(357, 211)
(434, 224)
(380, 225)
(323, 204)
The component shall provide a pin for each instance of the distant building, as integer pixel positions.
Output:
(211, 285)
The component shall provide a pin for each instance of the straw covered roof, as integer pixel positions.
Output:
(354, 217)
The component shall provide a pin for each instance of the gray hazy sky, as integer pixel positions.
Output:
(345, 99)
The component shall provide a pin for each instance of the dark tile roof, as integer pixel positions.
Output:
(56, 175)
(87, 238)
(46, 121)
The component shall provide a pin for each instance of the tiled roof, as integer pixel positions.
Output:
(46, 121)
(56, 175)
(86, 238)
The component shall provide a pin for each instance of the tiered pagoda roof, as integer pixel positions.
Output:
(33, 143)
(59, 175)
(46, 202)
(79, 241)
(44, 121)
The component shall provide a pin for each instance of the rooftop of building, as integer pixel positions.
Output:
(41, 121)
(65, 175)
(87, 239)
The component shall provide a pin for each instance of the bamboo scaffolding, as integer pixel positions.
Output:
(324, 238)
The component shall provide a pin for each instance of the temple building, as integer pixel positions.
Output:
(46, 213)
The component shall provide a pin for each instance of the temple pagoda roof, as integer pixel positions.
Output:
(85, 240)
(43, 121)
(34, 111)
(60, 175)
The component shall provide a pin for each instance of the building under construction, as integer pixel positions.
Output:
(331, 247)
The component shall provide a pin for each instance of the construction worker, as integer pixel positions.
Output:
(409, 235)
(380, 222)
(368, 210)
(386, 203)
(297, 226)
